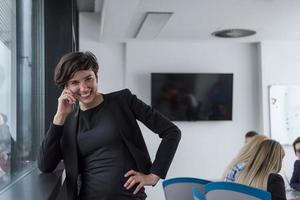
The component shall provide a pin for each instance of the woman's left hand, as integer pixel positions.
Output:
(140, 179)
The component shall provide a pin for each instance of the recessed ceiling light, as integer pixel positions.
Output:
(234, 33)
(152, 24)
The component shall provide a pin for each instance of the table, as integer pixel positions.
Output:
(291, 194)
(34, 186)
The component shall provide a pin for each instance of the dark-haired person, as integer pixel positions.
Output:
(99, 138)
(249, 135)
(295, 180)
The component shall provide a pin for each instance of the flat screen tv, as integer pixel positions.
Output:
(192, 96)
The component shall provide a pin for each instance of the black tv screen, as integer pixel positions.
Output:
(192, 96)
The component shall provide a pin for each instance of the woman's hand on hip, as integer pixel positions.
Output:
(140, 179)
(64, 107)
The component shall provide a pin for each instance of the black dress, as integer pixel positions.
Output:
(103, 157)
(60, 142)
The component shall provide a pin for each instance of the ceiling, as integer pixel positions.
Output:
(191, 20)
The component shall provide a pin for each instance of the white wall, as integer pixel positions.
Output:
(110, 55)
(280, 63)
(206, 147)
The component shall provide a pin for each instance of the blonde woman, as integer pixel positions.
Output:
(262, 169)
(238, 163)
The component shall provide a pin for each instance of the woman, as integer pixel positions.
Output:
(100, 140)
(295, 180)
(262, 169)
(238, 163)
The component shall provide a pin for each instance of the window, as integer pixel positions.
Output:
(21, 84)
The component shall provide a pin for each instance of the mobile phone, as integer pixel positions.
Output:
(72, 93)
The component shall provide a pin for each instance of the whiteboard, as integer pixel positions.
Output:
(284, 101)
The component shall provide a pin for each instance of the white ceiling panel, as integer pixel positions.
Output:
(197, 19)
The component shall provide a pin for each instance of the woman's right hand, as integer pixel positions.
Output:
(65, 107)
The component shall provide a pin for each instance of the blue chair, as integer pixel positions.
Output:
(234, 191)
(198, 195)
(181, 188)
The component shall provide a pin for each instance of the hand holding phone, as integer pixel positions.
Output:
(66, 103)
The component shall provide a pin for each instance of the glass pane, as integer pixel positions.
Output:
(7, 94)
(21, 83)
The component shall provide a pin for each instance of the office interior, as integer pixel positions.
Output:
(134, 38)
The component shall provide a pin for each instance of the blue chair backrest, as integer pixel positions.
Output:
(181, 188)
(198, 195)
(234, 191)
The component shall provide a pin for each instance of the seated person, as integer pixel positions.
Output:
(238, 163)
(262, 170)
(249, 135)
(295, 180)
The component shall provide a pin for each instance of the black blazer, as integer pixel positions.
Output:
(295, 180)
(276, 187)
(60, 141)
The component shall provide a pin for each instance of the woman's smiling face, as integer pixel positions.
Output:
(84, 86)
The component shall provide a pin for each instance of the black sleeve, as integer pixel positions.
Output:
(167, 131)
(295, 180)
(50, 151)
(276, 187)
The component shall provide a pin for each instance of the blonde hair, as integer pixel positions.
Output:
(267, 160)
(245, 153)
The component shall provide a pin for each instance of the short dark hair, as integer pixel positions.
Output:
(295, 142)
(251, 134)
(71, 63)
